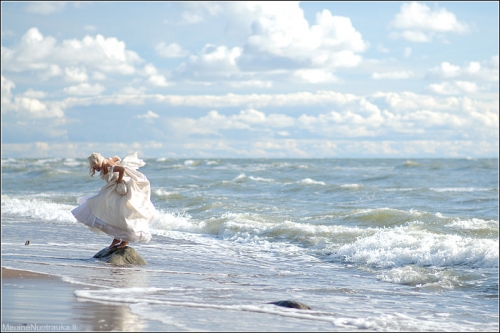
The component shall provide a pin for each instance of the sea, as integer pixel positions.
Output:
(367, 244)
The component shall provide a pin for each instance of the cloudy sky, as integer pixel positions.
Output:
(250, 79)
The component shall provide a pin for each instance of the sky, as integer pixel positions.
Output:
(250, 79)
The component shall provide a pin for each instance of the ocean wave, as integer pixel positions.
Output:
(410, 163)
(352, 186)
(408, 241)
(475, 224)
(260, 179)
(380, 238)
(241, 178)
(164, 194)
(71, 162)
(37, 208)
(191, 163)
(160, 304)
(462, 189)
(402, 246)
(309, 181)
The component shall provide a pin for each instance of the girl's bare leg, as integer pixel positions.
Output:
(114, 242)
(122, 245)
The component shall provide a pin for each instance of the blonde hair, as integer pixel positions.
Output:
(95, 159)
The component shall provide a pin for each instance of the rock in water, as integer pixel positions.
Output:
(120, 257)
(292, 304)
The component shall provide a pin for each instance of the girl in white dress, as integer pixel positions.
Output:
(123, 207)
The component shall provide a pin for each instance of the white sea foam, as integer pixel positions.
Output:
(9, 161)
(186, 315)
(474, 224)
(247, 228)
(387, 248)
(241, 178)
(261, 179)
(71, 162)
(461, 189)
(37, 208)
(352, 186)
(46, 161)
(401, 246)
(309, 181)
(177, 221)
(160, 192)
(191, 163)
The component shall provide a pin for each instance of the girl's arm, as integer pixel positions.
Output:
(121, 172)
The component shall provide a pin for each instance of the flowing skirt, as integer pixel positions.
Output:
(126, 217)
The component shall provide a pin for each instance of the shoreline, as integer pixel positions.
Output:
(42, 302)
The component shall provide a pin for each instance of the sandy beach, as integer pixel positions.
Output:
(40, 302)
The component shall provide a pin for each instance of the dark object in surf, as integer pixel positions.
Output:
(27, 242)
(292, 304)
(120, 257)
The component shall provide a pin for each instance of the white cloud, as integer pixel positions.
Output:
(148, 115)
(259, 100)
(158, 80)
(212, 61)
(196, 12)
(7, 86)
(486, 70)
(251, 83)
(278, 48)
(191, 18)
(27, 105)
(85, 89)
(315, 76)
(132, 91)
(386, 103)
(172, 50)
(32, 108)
(98, 76)
(52, 71)
(155, 78)
(75, 74)
(280, 29)
(45, 7)
(275, 36)
(453, 88)
(393, 75)
(30, 93)
(407, 114)
(416, 22)
(445, 70)
(39, 53)
(269, 148)
(214, 122)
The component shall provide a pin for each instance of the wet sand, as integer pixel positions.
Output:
(40, 302)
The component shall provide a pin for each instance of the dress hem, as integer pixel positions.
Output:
(83, 215)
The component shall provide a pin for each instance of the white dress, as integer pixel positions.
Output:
(126, 217)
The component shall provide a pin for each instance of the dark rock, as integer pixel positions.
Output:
(292, 304)
(120, 257)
